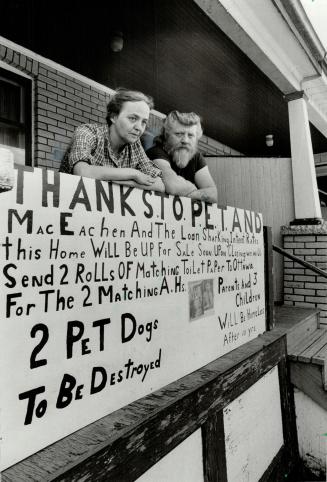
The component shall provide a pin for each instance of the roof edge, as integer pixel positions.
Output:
(295, 15)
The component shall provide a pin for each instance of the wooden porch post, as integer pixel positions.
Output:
(306, 199)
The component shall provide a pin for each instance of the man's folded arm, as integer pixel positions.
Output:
(206, 188)
(174, 184)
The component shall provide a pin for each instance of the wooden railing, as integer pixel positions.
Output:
(125, 444)
(303, 263)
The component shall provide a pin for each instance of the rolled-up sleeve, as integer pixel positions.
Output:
(146, 166)
(83, 144)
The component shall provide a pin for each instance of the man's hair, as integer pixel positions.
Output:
(184, 118)
(123, 95)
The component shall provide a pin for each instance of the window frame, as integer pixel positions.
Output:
(25, 123)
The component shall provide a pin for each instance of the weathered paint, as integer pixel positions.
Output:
(253, 429)
(311, 432)
(182, 463)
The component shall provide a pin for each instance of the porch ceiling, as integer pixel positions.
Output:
(272, 35)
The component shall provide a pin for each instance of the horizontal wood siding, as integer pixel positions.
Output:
(260, 184)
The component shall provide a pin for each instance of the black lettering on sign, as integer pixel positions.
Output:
(31, 397)
(102, 195)
(20, 182)
(196, 210)
(65, 395)
(64, 224)
(44, 338)
(28, 216)
(101, 324)
(88, 293)
(64, 267)
(123, 204)
(258, 224)
(177, 208)
(75, 331)
(148, 214)
(207, 216)
(95, 388)
(80, 197)
(236, 221)
(124, 336)
(10, 302)
(163, 196)
(11, 280)
(47, 187)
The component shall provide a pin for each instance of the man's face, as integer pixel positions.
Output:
(181, 143)
(131, 121)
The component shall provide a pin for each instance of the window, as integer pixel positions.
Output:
(16, 116)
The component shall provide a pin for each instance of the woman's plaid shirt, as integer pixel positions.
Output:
(91, 144)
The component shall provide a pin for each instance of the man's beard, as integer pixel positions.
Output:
(182, 155)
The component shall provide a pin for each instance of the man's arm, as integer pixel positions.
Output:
(207, 190)
(174, 184)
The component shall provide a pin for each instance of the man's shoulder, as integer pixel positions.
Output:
(198, 160)
(156, 152)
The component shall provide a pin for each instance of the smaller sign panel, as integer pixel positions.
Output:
(108, 293)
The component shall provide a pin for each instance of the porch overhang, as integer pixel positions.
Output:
(269, 34)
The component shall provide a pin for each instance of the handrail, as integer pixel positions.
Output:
(285, 253)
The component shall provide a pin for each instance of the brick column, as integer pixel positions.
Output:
(303, 287)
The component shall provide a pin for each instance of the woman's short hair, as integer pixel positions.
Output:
(184, 118)
(123, 95)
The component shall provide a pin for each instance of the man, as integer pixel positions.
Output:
(113, 151)
(184, 170)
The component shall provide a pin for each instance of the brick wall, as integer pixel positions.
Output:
(62, 101)
(303, 287)
(211, 147)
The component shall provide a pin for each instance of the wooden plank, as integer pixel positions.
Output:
(322, 354)
(246, 181)
(123, 445)
(277, 215)
(308, 378)
(288, 416)
(291, 316)
(302, 345)
(246, 429)
(260, 184)
(310, 352)
(269, 279)
(214, 449)
(320, 357)
(299, 323)
(235, 183)
(220, 180)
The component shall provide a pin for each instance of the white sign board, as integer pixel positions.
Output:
(108, 293)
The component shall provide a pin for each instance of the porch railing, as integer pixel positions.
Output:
(300, 261)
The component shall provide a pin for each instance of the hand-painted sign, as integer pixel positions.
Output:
(108, 293)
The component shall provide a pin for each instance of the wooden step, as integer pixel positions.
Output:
(298, 323)
(307, 350)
